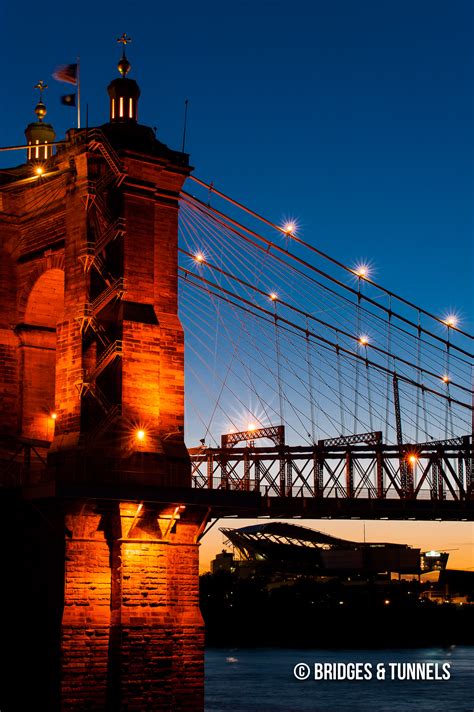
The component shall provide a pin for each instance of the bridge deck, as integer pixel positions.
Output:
(248, 505)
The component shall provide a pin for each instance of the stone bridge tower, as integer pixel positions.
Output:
(100, 545)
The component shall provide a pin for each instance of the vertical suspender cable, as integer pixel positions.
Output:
(310, 386)
(389, 389)
(398, 412)
(277, 352)
(447, 412)
(369, 391)
(418, 363)
(450, 418)
(356, 393)
(339, 381)
(425, 414)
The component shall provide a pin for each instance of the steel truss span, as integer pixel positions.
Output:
(427, 481)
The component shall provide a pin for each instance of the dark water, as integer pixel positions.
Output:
(262, 679)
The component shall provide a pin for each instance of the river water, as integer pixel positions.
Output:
(263, 680)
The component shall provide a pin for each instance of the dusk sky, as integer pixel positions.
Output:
(356, 118)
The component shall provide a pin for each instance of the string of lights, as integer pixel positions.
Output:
(359, 345)
(362, 271)
(404, 347)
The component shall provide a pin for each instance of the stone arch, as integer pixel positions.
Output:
(42, 310)
(49, 262)
(45, 303)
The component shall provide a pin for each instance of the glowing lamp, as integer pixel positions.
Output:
(39, 170)
(53, 416)
(362, 271)
(273, 296)
(363, 340)
(289, 228)
(412, 459)
(199, 257)
(451, 321)
(445, 379)
(140, 435)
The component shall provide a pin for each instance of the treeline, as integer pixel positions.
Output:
(309, 613)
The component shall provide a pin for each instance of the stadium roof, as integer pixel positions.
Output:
(294, 534)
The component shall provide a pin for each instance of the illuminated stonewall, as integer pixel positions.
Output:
(97, 538)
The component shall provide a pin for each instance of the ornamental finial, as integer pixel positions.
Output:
(40, 109)
(124, 65)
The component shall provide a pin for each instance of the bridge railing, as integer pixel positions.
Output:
(436, 472)
(441, 473)
(22, 461)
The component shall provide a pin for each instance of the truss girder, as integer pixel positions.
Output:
(373, 472)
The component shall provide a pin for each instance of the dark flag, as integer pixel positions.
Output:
(68, 99)
(66, 73)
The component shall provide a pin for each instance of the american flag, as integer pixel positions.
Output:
(66, 73)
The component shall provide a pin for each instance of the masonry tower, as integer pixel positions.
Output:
(100, 548)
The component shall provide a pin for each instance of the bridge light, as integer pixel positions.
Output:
(199, 257)
(451, 321)
(273, 296)
(363, 340)
(140, 435)
(289, 227)
(39, 170)
(362, 271)
(53, 415)
(412, 458)
(445, 378)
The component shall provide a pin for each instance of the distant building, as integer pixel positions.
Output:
(449, 586)
(223, 562)
(289, 548)
(433, 561)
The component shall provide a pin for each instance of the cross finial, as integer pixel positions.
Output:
(124, 64)
(124, 40)
(40, 109)
(41, 86)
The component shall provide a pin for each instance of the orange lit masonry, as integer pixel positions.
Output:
(109, 353)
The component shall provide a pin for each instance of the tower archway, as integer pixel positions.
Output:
(44, 309)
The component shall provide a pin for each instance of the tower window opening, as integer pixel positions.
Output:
(113, 108)
(121, 107)
(130, 108)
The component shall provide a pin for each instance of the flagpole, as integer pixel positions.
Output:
(78, 94)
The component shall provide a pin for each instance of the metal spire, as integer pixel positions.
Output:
(40, 109)
(124, 65)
